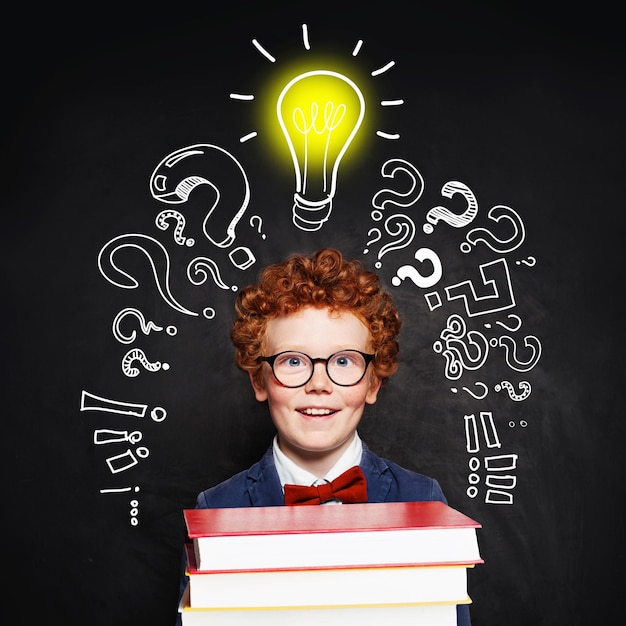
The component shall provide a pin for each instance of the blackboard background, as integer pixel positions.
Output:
(524, 104)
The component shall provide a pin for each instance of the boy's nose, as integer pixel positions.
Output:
(319, 381)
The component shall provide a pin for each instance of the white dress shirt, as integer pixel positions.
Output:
(293, 474)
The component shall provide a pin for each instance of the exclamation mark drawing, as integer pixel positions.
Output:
(111, 437)
(499, 484)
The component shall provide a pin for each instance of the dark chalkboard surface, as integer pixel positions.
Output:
(143, 188)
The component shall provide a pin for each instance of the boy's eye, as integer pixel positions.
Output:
(343, 360)
(291, 361)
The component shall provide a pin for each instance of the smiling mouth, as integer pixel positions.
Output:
(317, 412)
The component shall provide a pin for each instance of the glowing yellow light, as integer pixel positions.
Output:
(319, 112)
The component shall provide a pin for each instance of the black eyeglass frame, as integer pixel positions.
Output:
(271, 359)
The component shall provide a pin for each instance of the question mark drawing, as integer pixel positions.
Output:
(135, 354)
(162, 221)
(154, 251)
(146, 327)
(197, 273)
(392, 169)
(182, 171)
(456, 220)
(402, 228)
(482, 235)
(252, 220)
(375, 234)
(512, 350)
(413, 274)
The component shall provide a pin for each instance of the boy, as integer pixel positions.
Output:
(318, 338)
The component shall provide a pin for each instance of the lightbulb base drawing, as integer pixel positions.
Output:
(311, 216)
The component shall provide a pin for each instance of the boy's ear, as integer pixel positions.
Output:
(374, 388)
(259, 387)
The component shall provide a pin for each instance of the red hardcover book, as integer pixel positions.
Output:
(354, 535)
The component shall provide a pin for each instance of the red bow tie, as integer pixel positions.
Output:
(348, 487)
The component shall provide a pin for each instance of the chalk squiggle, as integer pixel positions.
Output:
(525, 389)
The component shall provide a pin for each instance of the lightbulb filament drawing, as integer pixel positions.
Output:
(306, 126)
(320, 113)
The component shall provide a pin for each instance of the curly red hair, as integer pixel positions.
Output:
(324, 280)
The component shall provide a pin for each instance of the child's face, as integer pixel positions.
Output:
(319, 418)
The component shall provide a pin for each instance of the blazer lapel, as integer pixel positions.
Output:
(377, 476)
(264, 488)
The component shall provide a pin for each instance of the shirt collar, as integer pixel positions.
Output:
(293, 474)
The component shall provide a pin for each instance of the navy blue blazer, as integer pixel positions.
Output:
(260, 485)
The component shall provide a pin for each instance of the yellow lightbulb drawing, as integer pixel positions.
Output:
(320, 113)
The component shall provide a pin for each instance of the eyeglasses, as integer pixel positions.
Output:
(295, 369)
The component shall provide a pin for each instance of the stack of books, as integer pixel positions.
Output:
(403, 562)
